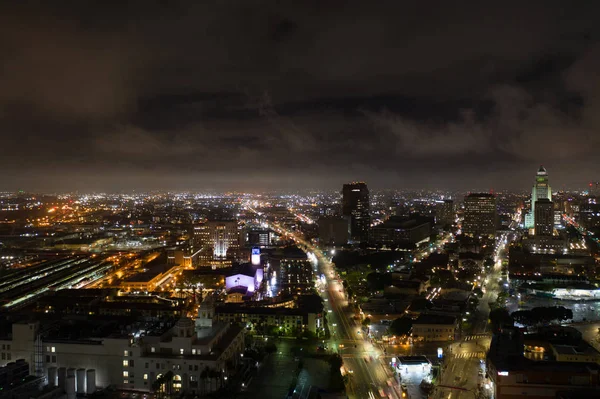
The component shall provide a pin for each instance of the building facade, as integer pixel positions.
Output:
(480, 216)
(544, 217)
(434, 328)
(131, 362)
(541, 190)
(399, 230)
(356, 207)
(445, 213)
(218, 242)
(333, 230)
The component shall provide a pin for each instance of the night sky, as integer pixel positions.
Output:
(212, 95)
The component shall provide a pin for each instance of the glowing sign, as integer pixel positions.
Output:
(440, 353)
(503, 373)
(255, 257)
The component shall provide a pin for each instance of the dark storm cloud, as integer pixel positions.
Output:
(190, 95)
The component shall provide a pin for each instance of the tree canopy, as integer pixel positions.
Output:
(401, 326)
(542, 315)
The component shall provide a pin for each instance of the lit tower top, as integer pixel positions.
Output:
(541, 191)
(542, 171)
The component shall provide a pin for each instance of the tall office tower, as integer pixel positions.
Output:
(589, 213)
(217, 240)
(333, 230)
(480, 215)
(224, 237)
(541, 190)
(445, 213)
(544, 217)
(355, 206)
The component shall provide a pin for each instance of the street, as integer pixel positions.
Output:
(368, 371)
(368, 365)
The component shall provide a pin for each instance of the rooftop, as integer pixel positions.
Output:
(399, 222)
(435, 319)
(151, 270)
(581, 349)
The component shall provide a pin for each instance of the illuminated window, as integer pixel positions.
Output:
(125, 363)
(145, 376)
(153, 349)
(125, 353)
(125, 381)
(181, 351)
(193, 351)
(53, 349)
(126, 373)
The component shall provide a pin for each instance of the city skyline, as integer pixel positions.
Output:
(231, 96)
(299, 199)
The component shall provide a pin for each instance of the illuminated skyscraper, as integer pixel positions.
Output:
(541, 190)
(355, 206)
(224, 237)
(480, 215)
(445, 214)
(217, 240)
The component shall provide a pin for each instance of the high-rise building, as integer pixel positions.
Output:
(445, 213)
(333, 230)
(259, 237)
(480, 215)
(541, 190)
(544, 217)
(295, 272)
(355, 205)
(589, 213)
(217, 240)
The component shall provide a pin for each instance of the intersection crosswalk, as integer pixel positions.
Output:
(477, 336)
(470, 355)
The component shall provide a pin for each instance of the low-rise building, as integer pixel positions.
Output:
(429, 328)
(512, 375)
(105, 353)
(399, 230)
(154, 274)
(307, 315)
(575, 353)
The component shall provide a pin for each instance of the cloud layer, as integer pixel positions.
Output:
(196, 95)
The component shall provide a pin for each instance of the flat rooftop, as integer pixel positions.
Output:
(582, 349)
(434, 319)
(151, 270)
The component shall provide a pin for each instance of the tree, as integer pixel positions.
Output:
(401, 326)
(169, 382)
(270, 348)
(378, 281)
(204, 377)
(157, 386)
(500, 317)
(542, 315)
(213, 375)
(366, 322)
(335, 362)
